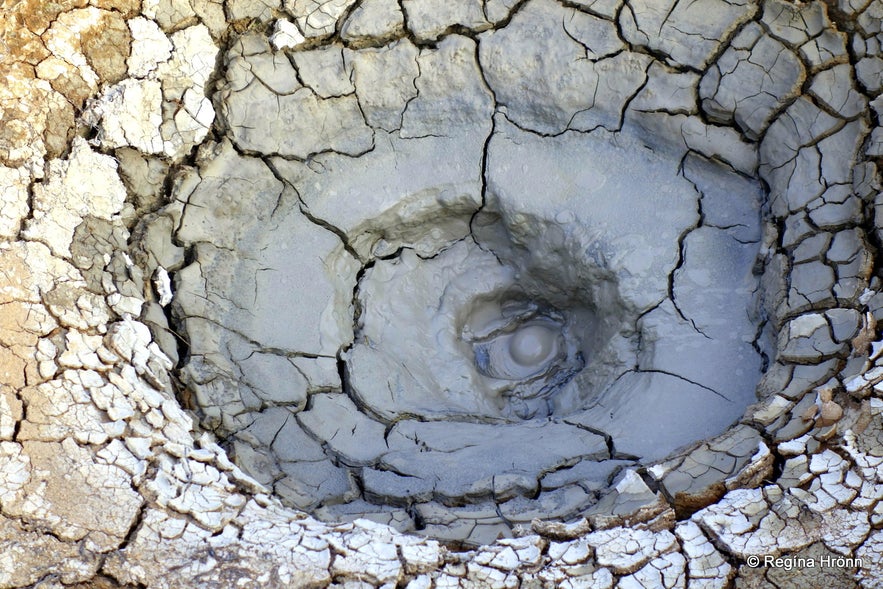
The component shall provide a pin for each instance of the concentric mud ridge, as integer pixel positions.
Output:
(589, 288)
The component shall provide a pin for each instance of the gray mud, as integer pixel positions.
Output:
(465, 269)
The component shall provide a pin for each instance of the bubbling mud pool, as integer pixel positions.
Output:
(579, 321)
(456, 312)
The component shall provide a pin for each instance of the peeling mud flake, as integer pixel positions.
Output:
(86, 184)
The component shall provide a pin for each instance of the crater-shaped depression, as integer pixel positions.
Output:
(454, 318)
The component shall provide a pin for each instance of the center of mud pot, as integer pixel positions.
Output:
(455, 336)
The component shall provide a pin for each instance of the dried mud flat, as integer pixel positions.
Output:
(422, 294)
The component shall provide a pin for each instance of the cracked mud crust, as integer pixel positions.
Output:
(365, 293)
(463, 230)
